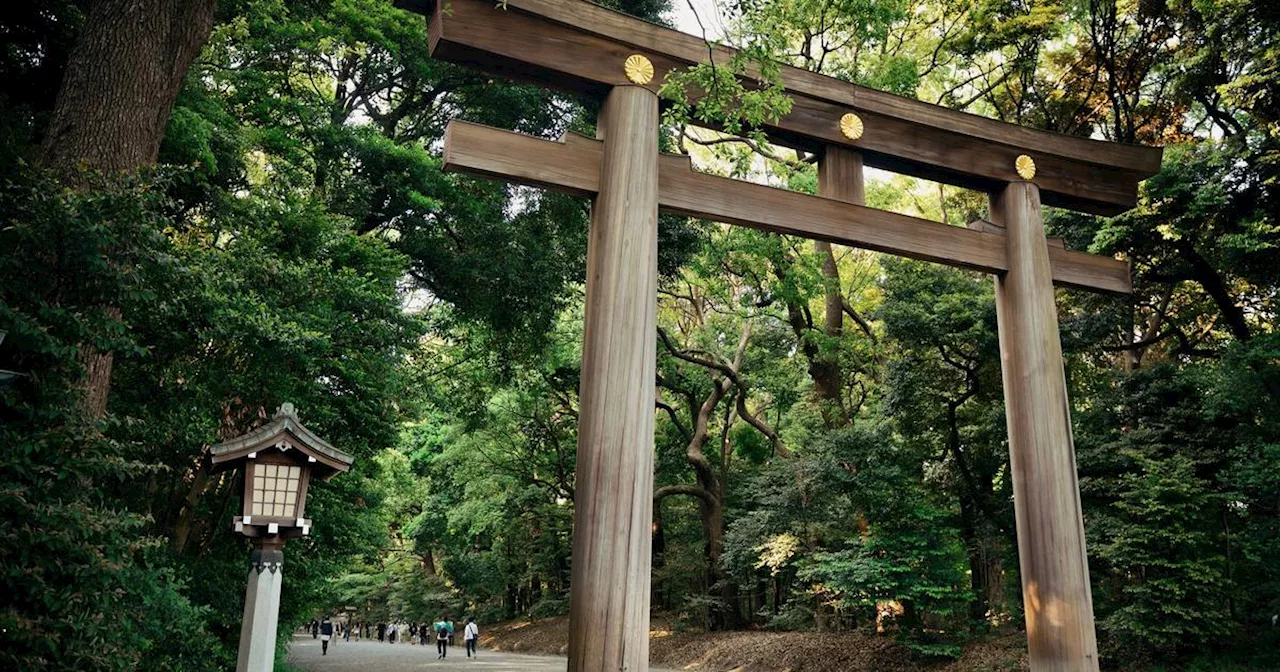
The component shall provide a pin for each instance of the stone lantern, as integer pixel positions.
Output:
(278, 461)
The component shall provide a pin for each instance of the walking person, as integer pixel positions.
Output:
(326, 634)
(469, 636)
(442, 638)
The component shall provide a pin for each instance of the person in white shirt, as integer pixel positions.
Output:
(470, 635)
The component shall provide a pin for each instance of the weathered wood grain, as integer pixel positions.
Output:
(1046, 495)
(840, 175)
(613, 503)
(572, 166)
(1072, 268)
(579, 46)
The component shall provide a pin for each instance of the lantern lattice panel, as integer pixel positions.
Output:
(275, 490)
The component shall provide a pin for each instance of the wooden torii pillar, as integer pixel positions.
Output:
(587, 49)
(613, 501)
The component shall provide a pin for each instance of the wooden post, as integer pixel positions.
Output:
(1051, 547)
(613, 504)
(839, 177)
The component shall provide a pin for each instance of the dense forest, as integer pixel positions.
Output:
(234, 204)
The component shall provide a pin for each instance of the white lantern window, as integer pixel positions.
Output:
(275, 490)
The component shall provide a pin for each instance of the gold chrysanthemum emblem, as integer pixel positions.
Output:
(851, 126)
(638, 69)
(1025, 166)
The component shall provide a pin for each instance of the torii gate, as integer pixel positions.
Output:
(583, 48)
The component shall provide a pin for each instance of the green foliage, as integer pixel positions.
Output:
(480, 491)
(910, 555)
(301, 207)
(847, 39)
(1175, 595)
(723, 99)
(1181, 492)
(351, 117)
(85, 586)
(74, 595)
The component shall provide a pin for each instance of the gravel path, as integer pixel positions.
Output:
(381, 657)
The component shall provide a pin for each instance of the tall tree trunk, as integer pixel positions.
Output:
(1213, 284)
(513, 603)
(979, 606)
(659, 554)
(718, 582)
(839, 177)
(711, 515)
(187, 516)
(710, 489)
(113, 105)
(429, 564)
(825, 368)
(562, 570)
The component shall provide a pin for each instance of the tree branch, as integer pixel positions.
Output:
(690, 490)
(778, 447)
(861, 322)
(675, 418)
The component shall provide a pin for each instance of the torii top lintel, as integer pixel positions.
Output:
(579, 46)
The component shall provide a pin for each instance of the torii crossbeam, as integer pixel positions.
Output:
(581, 47)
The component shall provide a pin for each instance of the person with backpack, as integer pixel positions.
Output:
(326, 634)
(469, 636)
(441, 628)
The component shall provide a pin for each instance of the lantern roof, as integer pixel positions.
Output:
(283, 433)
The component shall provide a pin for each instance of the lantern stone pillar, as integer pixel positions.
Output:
(261, 609)
(278, 461)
